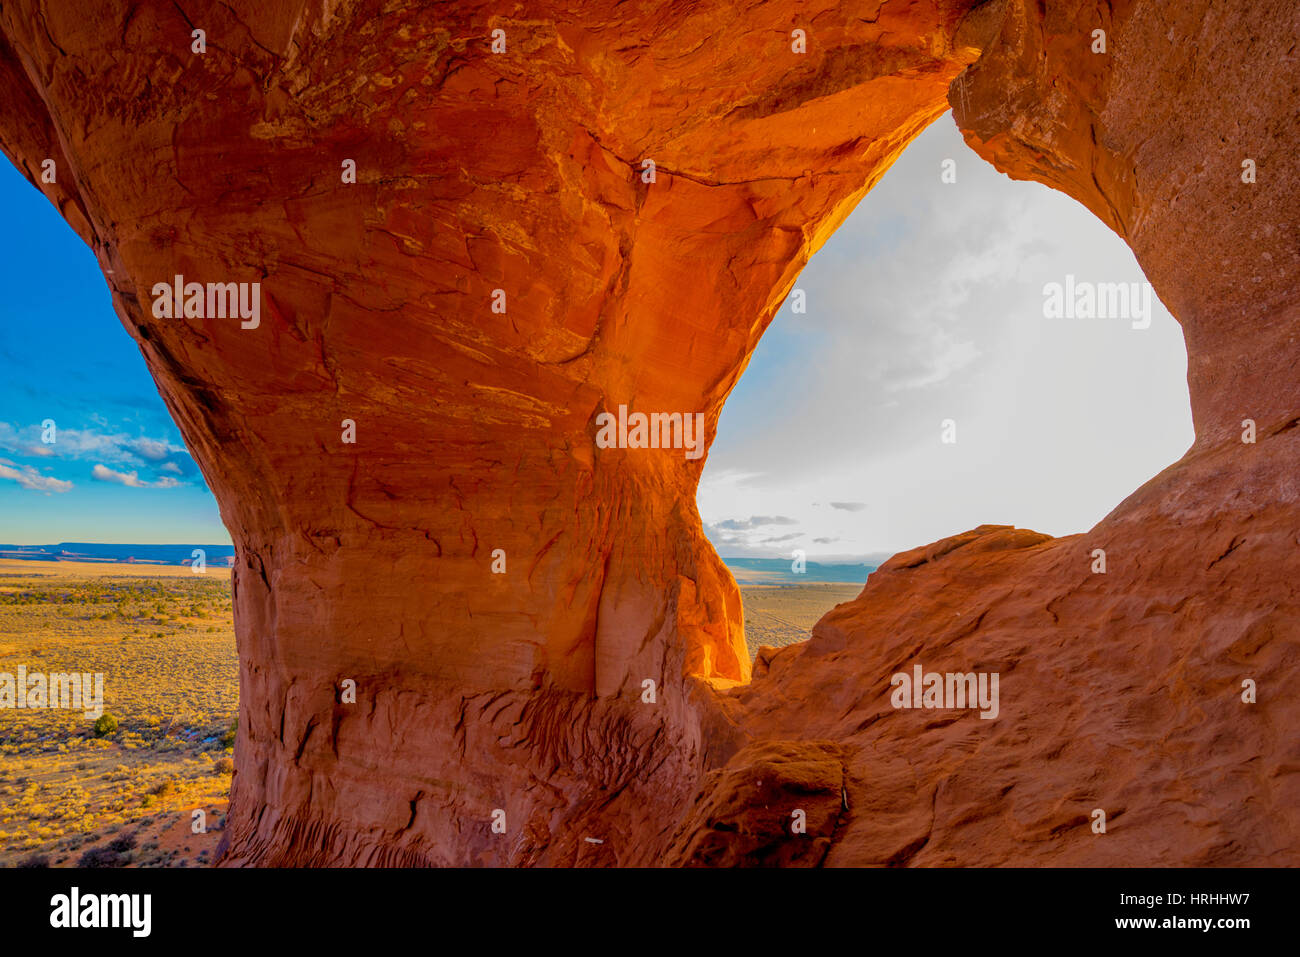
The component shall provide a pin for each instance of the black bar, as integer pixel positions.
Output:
(235, 909)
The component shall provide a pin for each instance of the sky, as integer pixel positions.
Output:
(926, 305)
(117, 470)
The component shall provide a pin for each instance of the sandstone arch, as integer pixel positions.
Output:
(521, 171)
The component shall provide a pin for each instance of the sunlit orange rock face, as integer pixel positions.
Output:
(538, 633)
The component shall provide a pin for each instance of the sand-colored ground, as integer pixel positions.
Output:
(163, 638)
(780, 615)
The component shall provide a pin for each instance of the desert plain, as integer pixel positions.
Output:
(126, 794)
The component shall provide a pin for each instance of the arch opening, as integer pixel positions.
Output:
(964, 350)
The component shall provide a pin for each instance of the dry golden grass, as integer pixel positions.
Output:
(780, 615)
(163, 639)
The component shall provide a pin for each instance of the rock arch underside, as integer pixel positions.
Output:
(522, 171)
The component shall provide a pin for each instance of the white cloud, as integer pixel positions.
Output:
(154, 450)
(29, 478)
(117, 448)
(104, 474)
(120, 456)
(130, 479)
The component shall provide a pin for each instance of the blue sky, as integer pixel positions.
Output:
(117, 470)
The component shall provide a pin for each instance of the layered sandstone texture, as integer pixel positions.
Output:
(560, 210)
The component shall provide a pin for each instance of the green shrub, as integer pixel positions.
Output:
(105, 725)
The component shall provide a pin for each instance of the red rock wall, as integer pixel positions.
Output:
(475, 430)
(1120, 691)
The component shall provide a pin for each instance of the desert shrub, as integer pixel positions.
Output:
(228, 739)
(100, 857)
(224, 765)
(116, 853)
(105, 725)
(35, 860)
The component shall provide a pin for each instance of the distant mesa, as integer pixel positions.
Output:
(779, 571)
(218, 555)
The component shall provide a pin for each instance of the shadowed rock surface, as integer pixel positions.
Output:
(524, 171)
